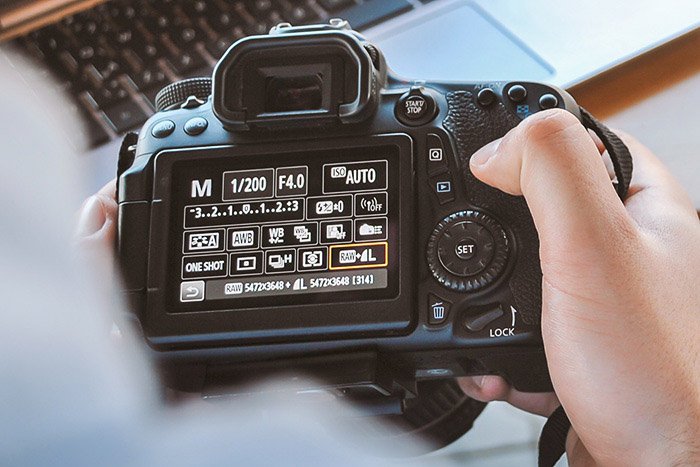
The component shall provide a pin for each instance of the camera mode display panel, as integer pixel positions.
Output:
(268, 230)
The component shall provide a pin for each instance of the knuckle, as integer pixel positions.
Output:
(549, 126)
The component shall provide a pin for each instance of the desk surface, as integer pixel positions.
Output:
(656, 99)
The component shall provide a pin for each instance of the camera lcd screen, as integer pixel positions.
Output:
(268, 230)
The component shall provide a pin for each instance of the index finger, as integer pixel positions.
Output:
(109, 189)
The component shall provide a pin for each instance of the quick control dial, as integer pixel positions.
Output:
(467, 251)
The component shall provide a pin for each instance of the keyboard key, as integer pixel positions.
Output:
(198, 73)
(223, 22)
(374, 11)
(108, 92)
(335, 5)
(259, 8)
(185, 62)
(217, 48)
(196, 8)
(149, 77)
(90, 131)
(300, 14)
(151, 94)
(125, 115)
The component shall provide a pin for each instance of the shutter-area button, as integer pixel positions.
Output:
(196, 126)
(163, 129)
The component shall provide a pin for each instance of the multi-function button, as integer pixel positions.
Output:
(467, 251)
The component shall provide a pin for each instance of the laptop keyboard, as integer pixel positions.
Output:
(114, 58)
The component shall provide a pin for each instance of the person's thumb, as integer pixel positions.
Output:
(96, 220)
(554, 163)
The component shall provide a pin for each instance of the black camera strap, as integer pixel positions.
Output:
(619, 153)
(552, 444)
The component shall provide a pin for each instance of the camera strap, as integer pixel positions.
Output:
(619, 153)
(552, 444)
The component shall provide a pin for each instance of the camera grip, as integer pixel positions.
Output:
(471, 127)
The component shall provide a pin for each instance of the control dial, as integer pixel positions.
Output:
(178, 92)
(467, 251)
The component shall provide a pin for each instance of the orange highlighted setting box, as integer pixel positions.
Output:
(358, 256)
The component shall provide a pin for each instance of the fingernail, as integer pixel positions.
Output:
(482, 156)
(92, 217)
(481, 381)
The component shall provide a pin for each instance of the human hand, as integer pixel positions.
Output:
(96, 230)
(620, 291)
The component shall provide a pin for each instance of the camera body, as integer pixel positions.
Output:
(317, 213)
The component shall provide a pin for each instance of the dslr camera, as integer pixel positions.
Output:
(306, 210)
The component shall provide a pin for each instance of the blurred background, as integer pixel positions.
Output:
(634, 64)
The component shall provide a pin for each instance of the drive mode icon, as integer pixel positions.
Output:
(280, 261)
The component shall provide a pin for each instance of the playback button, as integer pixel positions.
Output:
(443, 187)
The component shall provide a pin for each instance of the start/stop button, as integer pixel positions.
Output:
(416, 107)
